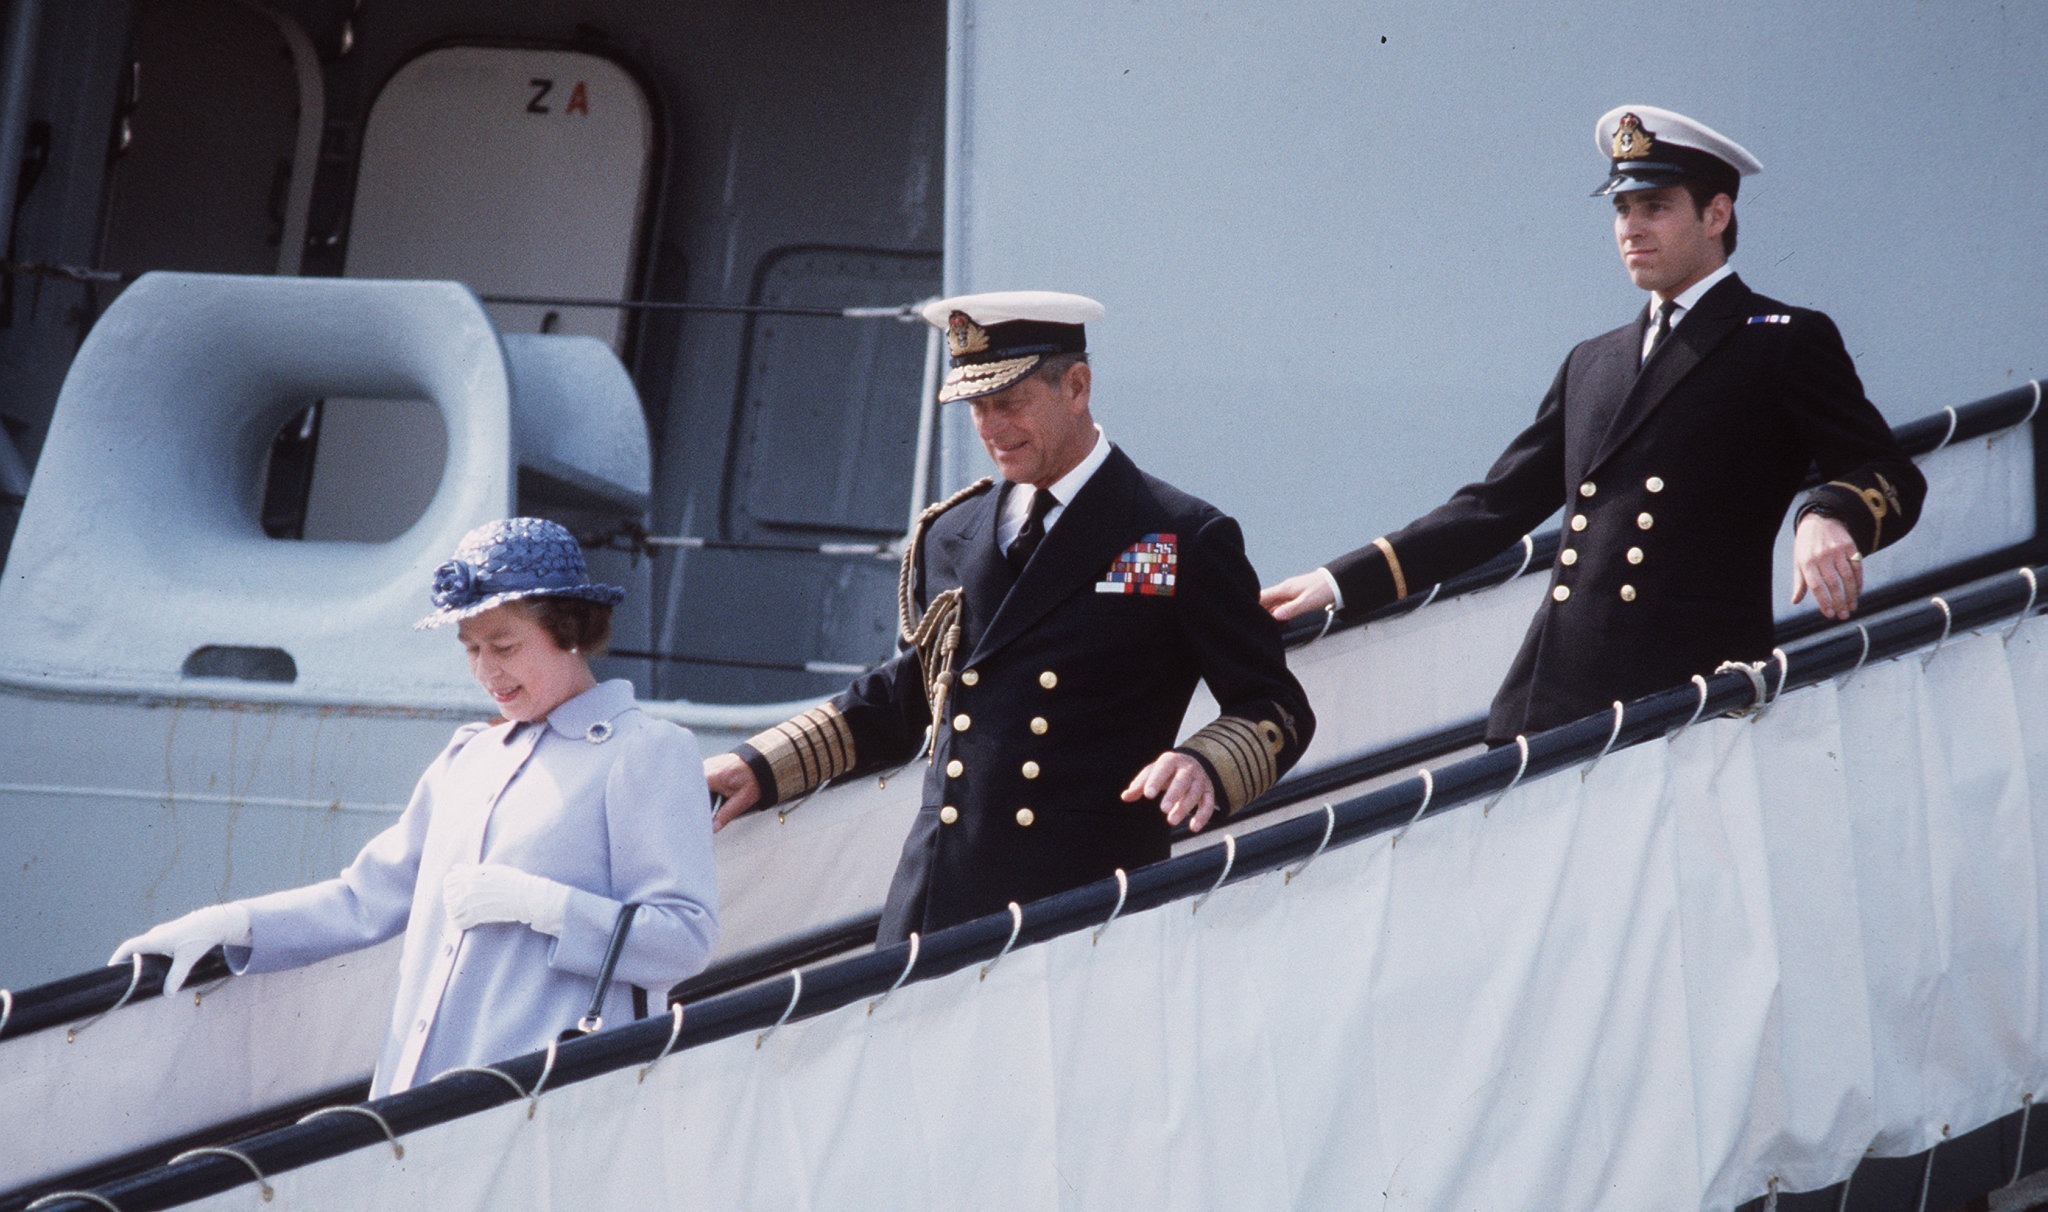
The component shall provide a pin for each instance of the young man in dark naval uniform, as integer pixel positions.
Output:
(1055, 623)
(1675, 443)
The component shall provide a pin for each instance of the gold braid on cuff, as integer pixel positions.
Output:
(807, 751)
(1394, 567)
(1244, 754)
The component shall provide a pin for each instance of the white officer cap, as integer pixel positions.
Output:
(1650, 148)
(997, 338)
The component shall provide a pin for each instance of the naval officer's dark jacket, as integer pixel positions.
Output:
(1675, 480)
(1065, 684)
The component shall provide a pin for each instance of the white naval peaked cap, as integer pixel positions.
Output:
(997, 338)
(1003, 306)
(1648, 147)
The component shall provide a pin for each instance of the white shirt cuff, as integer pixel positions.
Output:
(1336, 594)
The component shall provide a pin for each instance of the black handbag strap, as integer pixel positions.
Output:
(593, 1019)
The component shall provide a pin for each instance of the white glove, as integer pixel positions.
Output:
(478, 894)
(187, 940)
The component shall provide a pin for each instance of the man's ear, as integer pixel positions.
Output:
(1080, 377)
(1720, 208)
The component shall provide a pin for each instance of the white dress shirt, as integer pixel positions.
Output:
(1017, 505)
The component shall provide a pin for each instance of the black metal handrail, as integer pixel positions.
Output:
(1921, 436)
(842, 982)
(94, 992)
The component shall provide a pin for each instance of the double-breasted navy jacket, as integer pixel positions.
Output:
(1675, 479)
(1069, 678)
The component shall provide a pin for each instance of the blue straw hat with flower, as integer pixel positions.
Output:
(506, 560)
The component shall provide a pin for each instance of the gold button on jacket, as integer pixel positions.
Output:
(949, 814)
(1560, 593)
(1030, 770)
(1025, 817)
(1048, 679)
(961, 723)
(955, 768)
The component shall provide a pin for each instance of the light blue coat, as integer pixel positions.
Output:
(601, 797)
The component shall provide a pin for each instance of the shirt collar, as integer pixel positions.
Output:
(1067, 485)
(1691, 294)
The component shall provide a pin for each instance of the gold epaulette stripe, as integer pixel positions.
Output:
(1244, 763)
(807, 751)
(1393, 566)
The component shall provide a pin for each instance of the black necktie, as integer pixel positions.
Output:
(1663, 328)
(1027, 540)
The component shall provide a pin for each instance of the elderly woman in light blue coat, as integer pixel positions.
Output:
(521, 844)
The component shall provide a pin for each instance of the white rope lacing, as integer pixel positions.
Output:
(1950, 410)
(1861, 656)
(1927, 1174)
(675, 1032)
(547, 1070)
(218, 1151)
(2026, 1100)
(2033, 592)
(1612, 733)
(1229, 861)
(1521, 768)
(1329, 621)
(1428, 791)
(1948, 620)
(909, 962)
(1329, 827)
(1784, 675)
(1754, 671)
(57, 1197)
(1842, 1204)
(6, 1008)
(397, 1150)
(1528, 555)
(796, 990)
(1123, 890)
(1700, 683)
(1016, 925)
(1433, 591)
(134, 978)
(1771, 1199)
(500, 1074)
(2036, 385)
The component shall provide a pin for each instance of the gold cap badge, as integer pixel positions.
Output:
(964, 336)
(1631, 141)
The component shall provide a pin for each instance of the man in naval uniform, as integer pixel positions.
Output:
(1055, 623)
(1675, 443)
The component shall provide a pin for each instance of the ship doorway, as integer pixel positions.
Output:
(215, 146)
(520, 172)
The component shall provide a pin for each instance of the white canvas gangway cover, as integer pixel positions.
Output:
(1747, 953)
